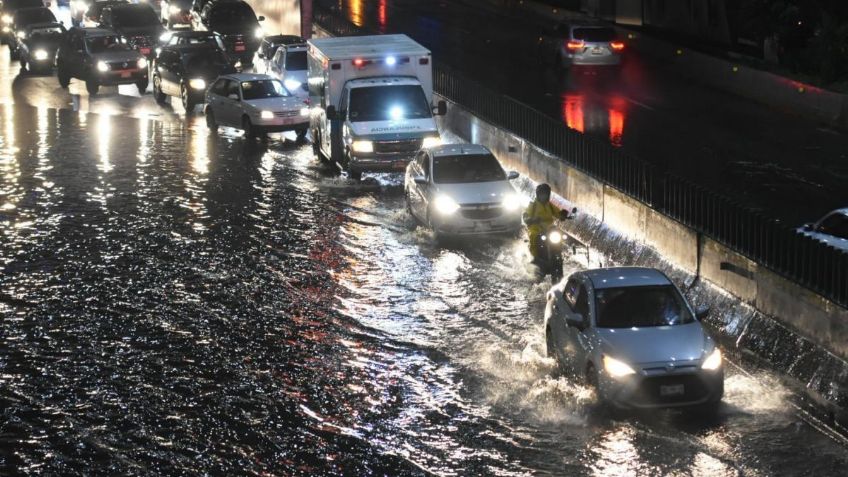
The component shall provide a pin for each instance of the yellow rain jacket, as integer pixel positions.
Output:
(539, 217)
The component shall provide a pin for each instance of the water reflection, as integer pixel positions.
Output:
(598, 116)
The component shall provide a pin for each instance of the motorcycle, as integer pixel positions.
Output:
(548, 254)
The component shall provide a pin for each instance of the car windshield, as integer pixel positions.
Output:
(210, 39)
(464, 169)
(594, 34)
(34, 15)
(644, 306)
(296, 61)
(101, 44)
(134, 16)
(232, 14)
(261, 89)
(836, 225)
(204, 60)
(383, 103)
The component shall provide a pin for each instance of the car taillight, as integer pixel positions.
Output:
(574, 45)
(617, 45)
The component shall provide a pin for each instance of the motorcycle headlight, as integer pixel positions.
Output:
(431, 141)
(512, 202)
(362, 146)
(173, 9)
(266, 115)
(21, 35)
(259, 33)
(713, 361)
(555, 237)
(199, 83)
(616, 368)
(102, 66)
(7, 18)
(445, 205)
(292, 84)
(142, 63)
(40, 55)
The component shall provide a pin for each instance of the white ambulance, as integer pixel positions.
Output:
(372, 101)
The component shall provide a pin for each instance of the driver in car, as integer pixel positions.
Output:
(540, 215)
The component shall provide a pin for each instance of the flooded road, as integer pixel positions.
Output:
(175, 301)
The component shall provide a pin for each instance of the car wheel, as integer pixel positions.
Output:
(158, 95)
(188, 103)
(64, 79)
(247, 127)
(142, 86)
(92, 87)
(210, 120)
(301, 133)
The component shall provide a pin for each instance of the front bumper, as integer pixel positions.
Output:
(116, 77)
(278, 124)
(663, 390)
(480, 219)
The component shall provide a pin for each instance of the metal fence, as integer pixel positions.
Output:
(802, 259)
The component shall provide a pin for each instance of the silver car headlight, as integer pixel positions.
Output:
(431, 141)
(511, 202)
(445, 205)
(21, 35)
(713, 361)
(616, 368)
(266, 115)
(102, 66)
(197, 83)
(142, 63)
(362, 146)
(259, 33)
(304, 111)
(292, 84)
(40, 55)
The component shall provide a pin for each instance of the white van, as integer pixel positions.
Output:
(372, 101)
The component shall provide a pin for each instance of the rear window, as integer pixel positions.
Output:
(601, 34)
(648, 306)
(465, 169)
(101, 44)
(262, 89)
(232, 14)
(296, 61)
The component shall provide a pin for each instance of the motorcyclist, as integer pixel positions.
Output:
(540, 215)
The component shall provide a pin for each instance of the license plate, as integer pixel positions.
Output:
(597, 51)
(126, 74)
(239, 48)
(144, 51)
(672, 390)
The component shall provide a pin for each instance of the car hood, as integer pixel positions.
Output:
(117, 56)
(655, 344)
(476, 192)
(276, 104)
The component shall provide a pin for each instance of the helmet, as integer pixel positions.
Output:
(543, 192)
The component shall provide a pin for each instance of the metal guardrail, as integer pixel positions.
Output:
(795, 256)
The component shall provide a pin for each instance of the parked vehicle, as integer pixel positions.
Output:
(176, 13)
(185, 71)
(461, 189)
(257, 104)
(586, 45)
(136, 24)
(37, 46)
(24, 17)
(7, 16)
(288, 62)
(91, 16)
(636, 340)
(372, 98)
(831, 229)
(100, 58)
(236, 22)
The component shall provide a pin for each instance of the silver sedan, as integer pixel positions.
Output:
(634, 337)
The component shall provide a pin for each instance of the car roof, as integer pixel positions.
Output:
(616, 277)
(445, 150)
(247, 76)
(843, 211)
(130, 6)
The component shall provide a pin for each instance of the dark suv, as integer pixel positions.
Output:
(186, 71)
(100, 58)
(23, 18)
(237, 23)
(137, 24)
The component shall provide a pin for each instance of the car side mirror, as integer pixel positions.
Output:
(420, 180)
(331, 112)
(575, 320)
(702, 312)
(261, 18)
(512, 175)
(441, 108)
(233, 96)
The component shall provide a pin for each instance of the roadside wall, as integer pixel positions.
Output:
(282, 17)
(812, 316)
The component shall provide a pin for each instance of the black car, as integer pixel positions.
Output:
(270, 44)
(21, 19)
(7, 16)
(100, 58)
(137, 24)
(38, 44)
(176, 12)
(237, 23)
(186, 70)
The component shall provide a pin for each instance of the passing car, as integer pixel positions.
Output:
(288, 64)
(461, 189)
(91, 16)
(136, 24)
(237, 23)
(37, 46)
(176, 13)
(831, 229)
(270, 44)
(7, 16)
(185, 71)
(634, 337)
(587, 45)
(24, 17)
(100, 58)
(257, 104)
